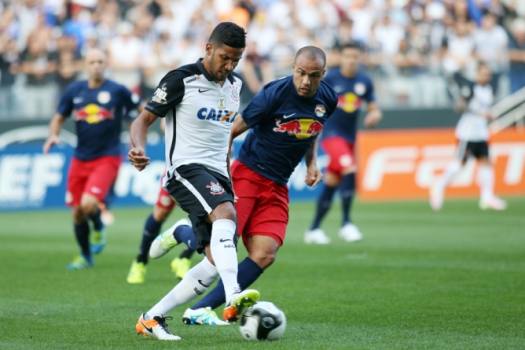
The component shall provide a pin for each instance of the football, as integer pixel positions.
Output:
(263, 321)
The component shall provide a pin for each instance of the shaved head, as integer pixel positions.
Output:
(95, 65)
(311, 53)
(95, 54)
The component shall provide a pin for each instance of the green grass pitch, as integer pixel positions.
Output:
(418, 280)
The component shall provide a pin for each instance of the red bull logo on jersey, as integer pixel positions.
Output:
(349, 102)
(221, 115)
(300, 128)
(93, 114)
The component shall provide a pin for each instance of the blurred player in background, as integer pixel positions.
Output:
(472, 133)
(99, 106)
(161, 211)
(285, 118)
(338, 141)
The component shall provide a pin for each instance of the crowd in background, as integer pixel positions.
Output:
(411, 46)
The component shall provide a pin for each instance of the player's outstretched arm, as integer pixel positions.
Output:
(374, 115)
(55, 125)
(313, 174)
(138, 135)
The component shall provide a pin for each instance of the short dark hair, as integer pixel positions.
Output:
(351, 45)
(230, 34)
(483, 64)
(312, 53)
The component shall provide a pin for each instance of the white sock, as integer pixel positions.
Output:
(451, 170)
(194, 283)
(225, 255)
(486, 182)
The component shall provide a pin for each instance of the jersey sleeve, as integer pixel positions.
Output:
(168, 94)
(258, 108)
(370, 95)
(131, 102)
(65, 104)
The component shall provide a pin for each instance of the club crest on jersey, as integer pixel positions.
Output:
(234, 93)
(220, 115)
(360, 89)
(300, 128)
(160, 95)
(320, 110)
(103, 97)
(215, 188)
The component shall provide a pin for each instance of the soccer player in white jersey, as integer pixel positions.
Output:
(200, 102)
(472, 134)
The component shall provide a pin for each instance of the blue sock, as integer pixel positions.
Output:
(248, 273)
(323, 204)
(151, 231)
(184, 234)
(97, 221)
(347, 195)
(82, 235)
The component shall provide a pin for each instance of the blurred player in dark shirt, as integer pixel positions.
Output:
(99, 107)
(338, 141)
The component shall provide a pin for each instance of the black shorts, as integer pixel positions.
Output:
(476, 149)
(199, 191)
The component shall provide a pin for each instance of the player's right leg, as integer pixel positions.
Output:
(102, 175)
(195, 283)
(485, 180)
(437, 190)
(77, 177)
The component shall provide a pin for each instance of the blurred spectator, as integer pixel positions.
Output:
(389, 36)
(491, 43)
(124, 57)
(69, 62)
(282, 54)
(459, 51)
(160, 60)
(39, 94)
(517, 56)
(409, 62)
(79, 26)
(256, 72)
(9, 66)
(9, 25)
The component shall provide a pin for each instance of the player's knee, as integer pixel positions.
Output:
(88, 206)
(263, 258)
(78, 215)
(226, 211)
(160, 214)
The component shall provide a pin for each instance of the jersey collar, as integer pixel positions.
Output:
(207, 75)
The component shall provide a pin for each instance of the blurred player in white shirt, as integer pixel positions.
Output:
(472, 134)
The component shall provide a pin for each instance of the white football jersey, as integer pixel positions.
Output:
(199, 115)
(472, 126)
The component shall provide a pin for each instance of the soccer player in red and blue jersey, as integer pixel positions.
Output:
(99, 107)
(338, 141)
(285, 119)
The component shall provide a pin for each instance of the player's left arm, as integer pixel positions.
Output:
(313, 174)
(374, 114)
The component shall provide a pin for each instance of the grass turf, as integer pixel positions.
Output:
(418, 280)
